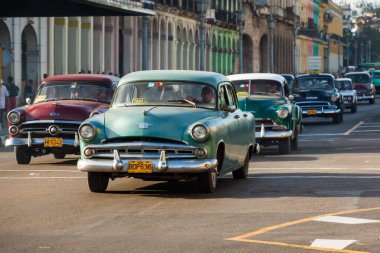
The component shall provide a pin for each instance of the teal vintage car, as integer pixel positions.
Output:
(278, 119)
(168, 125)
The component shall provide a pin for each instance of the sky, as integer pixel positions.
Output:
(353, 2)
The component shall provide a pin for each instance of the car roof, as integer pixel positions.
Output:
(82, 77)
(357, 73)
(211, 78)
(257, 76)
(320, 74)
(344, 79)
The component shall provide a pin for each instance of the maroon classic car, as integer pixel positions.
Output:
(50, 124)
(363, 85)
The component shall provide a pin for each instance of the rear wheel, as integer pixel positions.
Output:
(207, 181)
(284, 146)
(97, 181)
(59, 156)
(242, 172)
(23, 154)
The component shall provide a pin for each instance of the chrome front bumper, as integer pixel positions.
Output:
(365, 97)
(171, 166)
(273, 134)
(320, 112)
(38, 142)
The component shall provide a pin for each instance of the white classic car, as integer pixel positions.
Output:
(349, 94)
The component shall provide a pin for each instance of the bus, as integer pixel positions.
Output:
(369, 66)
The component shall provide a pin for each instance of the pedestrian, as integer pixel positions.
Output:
(46, 76)
(4, 103)
(13, 90)
(29, 90)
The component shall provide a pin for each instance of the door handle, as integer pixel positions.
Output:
(236, 116)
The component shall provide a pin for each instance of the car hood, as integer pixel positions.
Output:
(362, 86)
(157, 121)
(261, 106)
(346, 92)
(61, 110)
(312, 95)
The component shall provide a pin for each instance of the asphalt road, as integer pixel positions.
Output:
(323, 196)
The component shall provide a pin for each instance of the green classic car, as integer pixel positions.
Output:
(376, 80)
(168, 125)
(278, 119)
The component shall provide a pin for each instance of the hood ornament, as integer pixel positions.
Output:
(144, 125)
(54, 114)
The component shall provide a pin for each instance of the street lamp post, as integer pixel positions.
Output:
(356, 52)
(369, 50)
(294, 30)
(270, 27)
(361, 52)
(144, 43)
(240, 20)
(202, 6)
(347, 50)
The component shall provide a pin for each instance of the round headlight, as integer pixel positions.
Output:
(14, 117)
(87, 131)
(282, 113)
(334, 98)
(200, 133)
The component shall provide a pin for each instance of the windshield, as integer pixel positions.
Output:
(376, 74)
(313, 83)
(74, 91)
(359, 78)
(257, 87)
(344, 85)
(165, 93)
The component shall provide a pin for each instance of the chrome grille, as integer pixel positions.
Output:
(39, 129)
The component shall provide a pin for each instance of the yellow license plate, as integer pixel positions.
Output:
(311, 112)
(140, 167)
(53, 142)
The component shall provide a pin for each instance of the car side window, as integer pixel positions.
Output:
(231, 97)
(222, 98)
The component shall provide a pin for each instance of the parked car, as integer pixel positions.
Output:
(278, 119)
(363, 85)
(50, 124)
(168, 125)
(376, 80)
(346, 89)
(290, 80)
(318, 96)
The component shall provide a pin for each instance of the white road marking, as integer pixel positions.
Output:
(314, 177)
(304, 169)
(352, 129)
(345, 220)
(75, 171)
(331, 244)
(151, 208)
(42, 177)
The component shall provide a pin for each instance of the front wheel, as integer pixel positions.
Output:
(242, 173)
(294, 141)
(284, 146)
(23, 155)
(372, 101)
(97, 181)
(207, 182)
(354, 108)
(59, 156)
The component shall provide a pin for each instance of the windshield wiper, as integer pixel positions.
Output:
(184, 100)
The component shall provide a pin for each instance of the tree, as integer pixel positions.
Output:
(367, 29)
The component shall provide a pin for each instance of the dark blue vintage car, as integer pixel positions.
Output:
(318, 96)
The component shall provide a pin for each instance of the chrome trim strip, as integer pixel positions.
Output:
(143, 156)
(274, 134)
(141, 145)
(51, 122)
(174, 166)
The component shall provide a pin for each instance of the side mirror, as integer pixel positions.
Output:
(291, 98)
(231, 108)
(28, 101)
